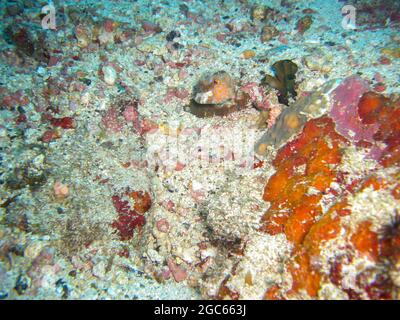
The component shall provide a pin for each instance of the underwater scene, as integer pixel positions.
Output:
(200, 150)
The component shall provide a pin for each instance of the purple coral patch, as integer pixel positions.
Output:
(344, 110)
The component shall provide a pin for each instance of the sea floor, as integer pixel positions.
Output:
(229, 149)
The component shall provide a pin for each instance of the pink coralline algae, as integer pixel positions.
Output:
(162, 225)
(179, 93)
(344, 111)
(257, 95)
(12, 100)
(148, 126)
(21, 118)
(50, 135)
(131, 115)
(150, 27)
(177, 65)
(43, 270)
(114, 120)
(128, 219)
(53, 61)
(183, 74)
(379, 87)
(111, 121)
(274, 112)
(109, 25)
(262, 102)
(65, 122)
(178, 272)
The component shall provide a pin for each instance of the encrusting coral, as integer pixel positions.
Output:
(217, 88)
(315, 151)
(291, 120)
(216, 95)
(307, 170)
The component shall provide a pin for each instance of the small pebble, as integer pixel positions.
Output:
(33, 250)
(379, 87)
(162, 225)
(110, 75)
(61, 191)
(178, 272)
(248, 54)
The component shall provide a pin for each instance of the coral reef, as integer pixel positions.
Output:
(375, 14)
(261, 13)
(306, 169)
(148, 152)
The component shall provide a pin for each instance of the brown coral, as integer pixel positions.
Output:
(216, 95)
(304, 24)
(284, 80)
(268, 33)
